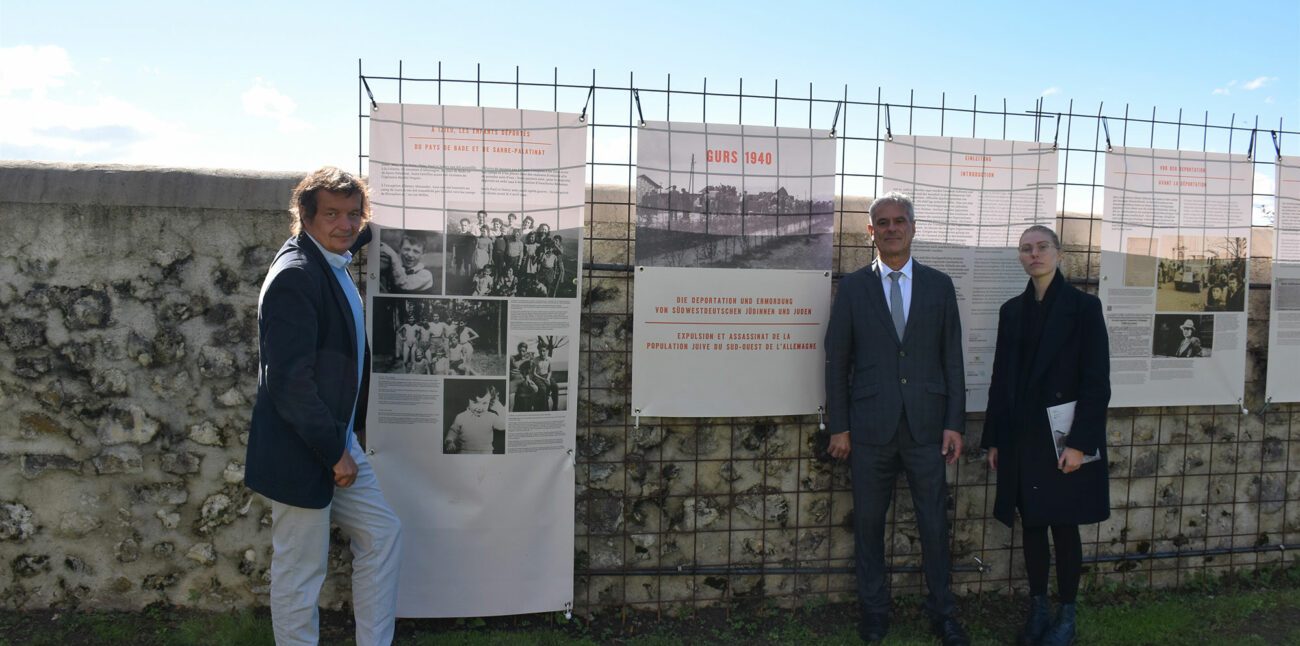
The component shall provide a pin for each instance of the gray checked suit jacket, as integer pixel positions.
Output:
(873, 377)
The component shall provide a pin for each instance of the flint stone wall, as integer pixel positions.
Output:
(128, 368)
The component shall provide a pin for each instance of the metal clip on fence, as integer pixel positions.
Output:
(1250, 149)
(821, 422)
(889, 135)
(836, 121)
(1056, 136)
(636, 418)
(1105, 126)
(1264, 408)
(582, 118)
(373, 105)
(1244, 410)
(1277, 143)
(636, 96)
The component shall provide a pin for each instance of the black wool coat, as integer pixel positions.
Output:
(1072, 364)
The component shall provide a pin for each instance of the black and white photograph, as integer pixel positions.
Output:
(439, 336)
(539, 373)
(474, 416)
(724, 199)
(410, 261)
(1186, 336)
(1200, 274)
(508, 254)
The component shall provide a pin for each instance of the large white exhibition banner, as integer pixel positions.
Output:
(473, 321)
(1174, 246)
(733, 258)
(1284, 315)
(973, 198)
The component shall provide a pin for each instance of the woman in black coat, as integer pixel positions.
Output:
(1052, 349)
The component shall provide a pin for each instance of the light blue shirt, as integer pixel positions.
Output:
(339, 265)
(904, 285)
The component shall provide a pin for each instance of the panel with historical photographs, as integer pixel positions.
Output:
(473, 300)
(1174, 275)
(733, 254)
(1284, 312)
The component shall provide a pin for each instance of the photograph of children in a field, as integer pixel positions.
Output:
(439, 336)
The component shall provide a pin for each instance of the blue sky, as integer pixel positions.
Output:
(272, 85)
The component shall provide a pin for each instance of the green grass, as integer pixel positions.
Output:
(1259, 610)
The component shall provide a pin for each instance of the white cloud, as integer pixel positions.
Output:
(34, 69)
(263, 100)
(1051, 90)
(1220, 90)
(41, 125)
(1258, 82)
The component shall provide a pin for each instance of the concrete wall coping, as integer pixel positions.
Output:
(32, 182)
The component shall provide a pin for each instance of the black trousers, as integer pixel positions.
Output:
(875, 469)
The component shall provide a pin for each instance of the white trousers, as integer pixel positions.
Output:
(301, 540)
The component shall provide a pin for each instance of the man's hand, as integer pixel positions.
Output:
(1071, 460)
(951, 446)
(345, 472)
(839, 445)
(993, 458)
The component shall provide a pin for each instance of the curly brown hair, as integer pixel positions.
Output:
(302, 206)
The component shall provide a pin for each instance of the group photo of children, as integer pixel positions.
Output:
(510, 255)
(439, 336)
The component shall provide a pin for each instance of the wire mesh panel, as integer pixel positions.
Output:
(680, 512)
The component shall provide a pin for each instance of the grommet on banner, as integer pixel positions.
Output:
(370, 452)
(836, 121)
(582, 118)
(636, 96)
(374, 276)
(636, 418)
(572, 457)
(568, 611)
(1105, 126)
(889, 135)
(1265, 406)
(373, 106)
(821, 422)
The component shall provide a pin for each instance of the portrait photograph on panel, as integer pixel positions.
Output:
(1185, 336)
(439, 336)
(539, 372)
(410, 261)
(474, 417)
(1201, 274)
(495, 253)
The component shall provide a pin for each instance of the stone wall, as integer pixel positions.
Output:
(128, 368)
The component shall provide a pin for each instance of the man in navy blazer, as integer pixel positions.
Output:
(303, 451)
(896, 397)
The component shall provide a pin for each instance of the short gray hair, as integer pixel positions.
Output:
(892, 197)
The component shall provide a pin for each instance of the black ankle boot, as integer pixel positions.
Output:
(1040, 617)
(1061, 632)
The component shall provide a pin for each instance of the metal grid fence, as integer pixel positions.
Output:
(683, 512)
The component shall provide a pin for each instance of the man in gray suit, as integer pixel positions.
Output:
(896, 396)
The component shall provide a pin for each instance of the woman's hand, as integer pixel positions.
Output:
(1070, 460)
(993, 458)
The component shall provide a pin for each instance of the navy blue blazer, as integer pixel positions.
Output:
(1072, 363)
(306, 380)
(873, 377)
